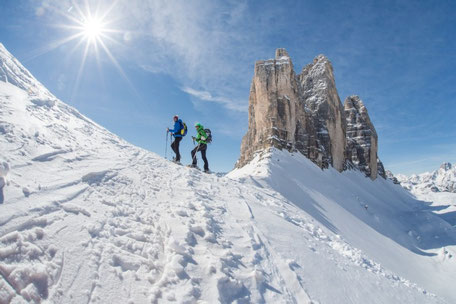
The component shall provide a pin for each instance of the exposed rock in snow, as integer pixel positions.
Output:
(391, 176)
(381, 169)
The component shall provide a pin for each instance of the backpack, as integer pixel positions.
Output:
(183, 130)
(209, 135)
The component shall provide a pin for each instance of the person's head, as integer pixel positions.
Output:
(198, 126)
(175, 118)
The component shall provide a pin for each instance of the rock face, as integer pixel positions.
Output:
(277, 113)
(304, 113)
(390, 176)
(362, 138)
(321, 98)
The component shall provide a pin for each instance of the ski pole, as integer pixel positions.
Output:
(166, 146)
(194, 156)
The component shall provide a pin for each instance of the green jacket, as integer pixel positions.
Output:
(201, 136)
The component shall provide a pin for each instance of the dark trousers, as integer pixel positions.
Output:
(202, 148)
(175, 147)
(2, 184)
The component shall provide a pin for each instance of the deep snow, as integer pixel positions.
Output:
(88, 217)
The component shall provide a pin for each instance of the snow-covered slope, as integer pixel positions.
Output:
(437, 187)
(380, 219)
(89, 218)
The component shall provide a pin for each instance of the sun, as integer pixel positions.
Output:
(92, 28)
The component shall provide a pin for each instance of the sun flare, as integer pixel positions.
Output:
(92, 28)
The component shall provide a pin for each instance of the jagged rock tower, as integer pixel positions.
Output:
(321, 97)
(304, 113)
(362, 139)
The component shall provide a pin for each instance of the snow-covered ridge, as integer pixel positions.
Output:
(12, 71)
(440, 180)
(380, 219)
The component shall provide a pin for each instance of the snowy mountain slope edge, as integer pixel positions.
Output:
(381, 219)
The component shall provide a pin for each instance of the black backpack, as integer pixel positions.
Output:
(209, 135)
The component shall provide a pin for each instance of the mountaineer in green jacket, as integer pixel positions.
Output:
(201, 138)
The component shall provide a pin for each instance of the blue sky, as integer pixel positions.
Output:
(196, 59)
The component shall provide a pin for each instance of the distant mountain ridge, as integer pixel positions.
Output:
(440, 180)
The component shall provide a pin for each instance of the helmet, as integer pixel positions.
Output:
(198, 125)
(176, 117)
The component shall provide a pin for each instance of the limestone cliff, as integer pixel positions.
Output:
(362, 139)
(321, 97)
(304, 113)
(277, 113)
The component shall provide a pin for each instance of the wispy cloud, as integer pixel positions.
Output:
(209, 45)
(202, 44)
(226, 102)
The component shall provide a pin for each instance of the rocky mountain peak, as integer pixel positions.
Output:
(354, 102)
(446, 166)
(280, 53)
(303, 112)
(322, 60)
(440, 180)
(319, 66)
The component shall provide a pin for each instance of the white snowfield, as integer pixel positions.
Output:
(89, 218)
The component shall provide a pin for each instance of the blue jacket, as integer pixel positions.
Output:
(177, 128)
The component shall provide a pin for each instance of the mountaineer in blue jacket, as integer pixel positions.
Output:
(176, 132)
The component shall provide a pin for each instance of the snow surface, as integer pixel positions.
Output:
(89, 218)
(382, 221)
